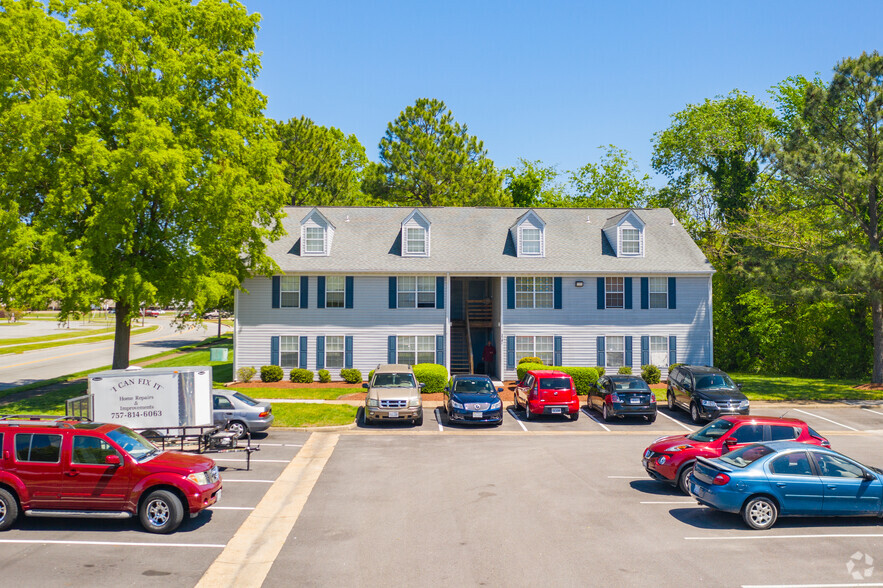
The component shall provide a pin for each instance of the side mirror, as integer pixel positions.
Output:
(112, 459)
(739, 386)
(869, 476)
(365, 385)
(422, 385)
(447, 388)
(500, 389)
(730, 441)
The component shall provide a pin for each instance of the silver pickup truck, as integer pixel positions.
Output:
(393, 395)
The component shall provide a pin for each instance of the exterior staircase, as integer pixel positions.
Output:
(459, 348)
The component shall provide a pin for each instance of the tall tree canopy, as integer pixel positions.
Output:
(532, 183)
(429, 159)
(135, 161)
(613, 182)
(322, 165)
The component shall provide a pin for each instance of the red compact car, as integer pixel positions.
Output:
(671, 459)
(547, 392)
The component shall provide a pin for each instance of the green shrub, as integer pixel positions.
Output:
(433, 375)
(673, 366)
(651, 374)
(300, 376)
(245, 373)
(370, 375)
(530, 360)
(352, 376)
(584, 378)
(324, 376)
(600, 370)
(271, 373)
(523, 368)
(625, 370)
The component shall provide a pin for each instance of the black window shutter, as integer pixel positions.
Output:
(510, 353)
(277, 292)
(393, 294)
(440, 292)
(628, 292)
(672, 349)
(348, 352)
(601, 293)
(558, 295)
(304, 291)
(645, 293)
(391, 348)
(350, 282)
(320, 352)
(672, 293)
(628, 350)
(440, 349)
(600, 359)
(510, 292)
(320, 292)
(274, 350)
(303, 353)
(645, 348)
(558, 357)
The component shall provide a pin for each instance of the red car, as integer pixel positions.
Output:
(671, 459)
(59, 468)
(152, 312)
(547, 392)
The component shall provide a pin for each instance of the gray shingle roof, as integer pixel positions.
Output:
(477, 241)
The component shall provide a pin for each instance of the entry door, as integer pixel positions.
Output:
(89, 482)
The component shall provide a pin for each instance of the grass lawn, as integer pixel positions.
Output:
(49, 403)
(297, 393)
(313, 415)
(786, 388)
(57, 336)
(94, 339)
(222, 371)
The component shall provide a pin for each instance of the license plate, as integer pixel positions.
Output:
(556, 411)
(477, 415)
(393, 414)
(635, 400)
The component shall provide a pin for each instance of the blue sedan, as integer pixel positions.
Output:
(473, 399)
(766, 480)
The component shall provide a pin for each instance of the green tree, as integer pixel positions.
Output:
(614, 182)
(429, 159)
(532, 184)
(135, 161)
(322, 165)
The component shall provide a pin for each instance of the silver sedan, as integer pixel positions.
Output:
(240, 414)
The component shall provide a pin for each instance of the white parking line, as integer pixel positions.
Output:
(253, 461)
(627, 477)
(668, 502)
(438, 419)
(225, 480)
(824, 419)
(675, 420)
(755, 537)
(881, 414)
(807, 585)
(283, 444)
(517, 418)
(231, 508)
(114, 543)
(586, 412)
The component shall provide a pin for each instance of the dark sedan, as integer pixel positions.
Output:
(621, 396)
(473, 399)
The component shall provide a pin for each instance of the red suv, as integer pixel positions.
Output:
(58, 468)
(547, 392)
(671, 459)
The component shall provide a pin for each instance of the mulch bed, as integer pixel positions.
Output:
(869, 387)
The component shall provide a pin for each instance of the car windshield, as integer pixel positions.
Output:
(714, 382)
(132, 443)
(474, 386)
(245, 399)
(711, 431)
(554, 384)
(745, 455)
(633, 384)
(387, 380)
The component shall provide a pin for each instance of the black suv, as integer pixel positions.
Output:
(705, 392)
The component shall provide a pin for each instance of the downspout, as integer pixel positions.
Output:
(448, 322)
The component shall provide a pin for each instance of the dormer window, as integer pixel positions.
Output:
(625, 234)
(528, 233)
(631, 242)
(415, 241)
(316, 234)
(314, 240)
(530, 241)
(415, 235)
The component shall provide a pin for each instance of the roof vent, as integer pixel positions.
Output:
(672, 221)
(347, 219)
(588, 219)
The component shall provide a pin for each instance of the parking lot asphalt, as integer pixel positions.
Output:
(547, 502)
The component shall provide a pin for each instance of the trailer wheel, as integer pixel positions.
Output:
(238, 428)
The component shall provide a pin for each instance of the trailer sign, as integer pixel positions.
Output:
(138, 401)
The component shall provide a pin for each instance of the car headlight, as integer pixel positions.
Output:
(743, 405)
(414, 402)
(200, 478)
(678, 448)
(496, 405)
(709, 404)
(456, 404)
(373, 402)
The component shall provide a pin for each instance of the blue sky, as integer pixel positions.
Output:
(546, 80)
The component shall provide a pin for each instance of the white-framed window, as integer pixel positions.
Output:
(631, 241)
(531, 241)
(415, 349)
(334, 352)
(289, 351)
(615, 355)
(335, 291)
(658, 292)
(542, 347)
(534, 292)
(314, 240)
(415, 241)
(289, 290)
(614, 292)
(659, 351)
(416, 291)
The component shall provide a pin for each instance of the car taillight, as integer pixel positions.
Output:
(613, 398)
(720, 479)
(652, 398)
(264, 414)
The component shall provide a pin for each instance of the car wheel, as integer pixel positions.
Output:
(694, 414)
(604, 414)
(671, 401)
(527, 415)
(161, 512)
(238, 428)
(418, 422)
(8, 509)
(684, 479)
(574, 416)
(365, 420)
(651, 418)
(760, 513)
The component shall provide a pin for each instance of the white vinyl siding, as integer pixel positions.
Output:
(413, 350)
(289, 350)
(335, 289)
(615, 352)
(659, 351)
(658, 292)
(614, 292)
(542, 347)
(289, 287)
(314, 240)
(415, 242)
(416, 291)
(534, 293)
(333, 352)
